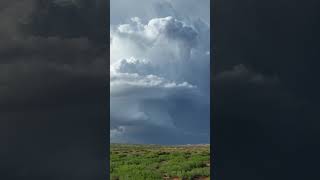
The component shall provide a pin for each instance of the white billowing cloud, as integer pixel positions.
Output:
(144, 86)
(159, 79)
(161, 39)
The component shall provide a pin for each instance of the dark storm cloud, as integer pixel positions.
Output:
(53, 89)
(151, 134)
(265, 90)
(81, 18)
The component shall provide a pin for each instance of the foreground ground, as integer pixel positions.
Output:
(153, 162)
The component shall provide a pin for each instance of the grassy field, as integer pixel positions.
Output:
(153, 162)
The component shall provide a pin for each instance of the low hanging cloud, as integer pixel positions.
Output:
(159, 80)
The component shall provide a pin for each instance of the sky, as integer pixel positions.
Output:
(266, 89)
(53, 89)
(265, 95)
(160, 72)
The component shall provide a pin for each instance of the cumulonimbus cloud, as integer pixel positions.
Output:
(159, 70)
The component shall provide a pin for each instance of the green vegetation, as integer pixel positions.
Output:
(153, 162)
